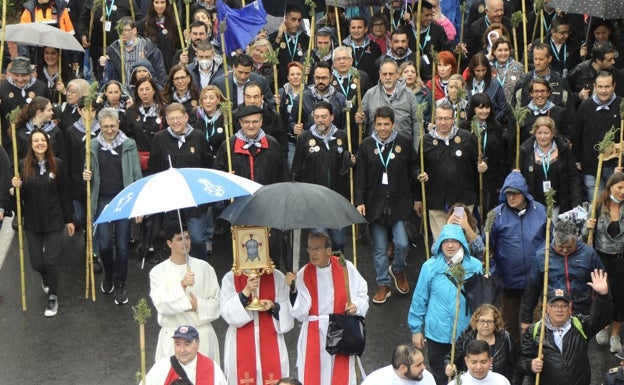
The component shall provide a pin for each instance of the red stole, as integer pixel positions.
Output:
(312, 371)
(246, 343)
(204, 372)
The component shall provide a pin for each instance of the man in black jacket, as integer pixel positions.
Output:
(566, 338)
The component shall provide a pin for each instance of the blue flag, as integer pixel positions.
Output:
(242, 25)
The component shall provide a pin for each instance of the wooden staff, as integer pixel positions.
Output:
(60, 75)
(417, 23)
(521, 114)
(478, 131)
(541, 16)
(187, 8)
(103, 27)
(602, 146)
(524, 35)
(516, 19)
(177, 17)
(462, 10)
(358, 91)
(550, 203)
(18, 198)
(90, 273)
(229, 125)
(337, 16)
(421, 147)
(131, 2)
(142, 312)
(457, 272)
(2, 40)
(122, 52)
(307, 61)
(621, 133)
(271, 57)
(487, 228)
(434, 63)
(351, 189)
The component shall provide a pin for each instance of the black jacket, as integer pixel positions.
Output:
(570, 366)
(193, 153)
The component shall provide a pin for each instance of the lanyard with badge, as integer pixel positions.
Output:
(424, 43)
(109, 10)
(356, 59)
(345, 90)
(546, 186)
(384, 163)
(562, 59)
(293, 52)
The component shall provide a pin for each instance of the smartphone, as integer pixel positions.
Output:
(459, 212)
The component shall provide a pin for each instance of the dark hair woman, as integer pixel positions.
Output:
(37, 114)
(160, 27)
(478, 77)
(180, 88)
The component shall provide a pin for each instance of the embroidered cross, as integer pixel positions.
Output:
(247, 380)
(270, 381)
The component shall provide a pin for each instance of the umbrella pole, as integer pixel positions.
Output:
(550, 202)
(60, 73)
(186, 251)
(296, 248)
(18, 199)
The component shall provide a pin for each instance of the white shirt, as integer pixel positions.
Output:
(387, 376)
(492, 378)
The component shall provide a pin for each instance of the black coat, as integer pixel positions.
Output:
(74, 159)
(10, 98)
(285, 56)
(46, 201)
(558, 114)
(570, 366)
(401, 175)
(271, 125)
(214, 132)
(143, 129)
(563, 175)
(266, 166)
(193, 153)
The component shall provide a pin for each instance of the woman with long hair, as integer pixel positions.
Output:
(478, 77)
(208, 117)
(446, 66)
(159, 26)
(603, 31)
(37, 114)
(180, 88)
(506, 70)
(609, 243)
(47, 210)
(55, 73)
(409, 72)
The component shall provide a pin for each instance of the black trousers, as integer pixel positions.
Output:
(45, 263)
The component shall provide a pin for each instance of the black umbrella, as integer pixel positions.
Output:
(604, 9)
(293, 205)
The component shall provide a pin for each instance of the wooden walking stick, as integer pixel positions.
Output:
(103, 27)
(2, 40)
(131, 3)
(478, 131)
(421, 149)
(307, 61)
(621, 132)
(18, 199)
(187, 8)
(351, 189)
(550, 203)
(489, 221)
(358, 92)
(271, 57)
(434, 64)
(462, 10)
(177, 18)
(457, 273)
(516, 19)
(520, 114)
(337, 16)
(601, 146)
(90, 273)
(122, 51)
(524, 36)
(142, 313)
(417, 23)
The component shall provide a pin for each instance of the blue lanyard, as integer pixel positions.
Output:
(478, 87)
(546, 26)
(379, 150)
(425, 40)
(344, 91)
(502, 83)
(554, 51)
(356, 60)
(109, 10)
(210, 122)
(546, 161)
(294, 50)
(396, 25)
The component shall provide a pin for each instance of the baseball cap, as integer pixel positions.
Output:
(556, 294)
(187, 332)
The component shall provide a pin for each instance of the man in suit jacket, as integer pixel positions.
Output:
(241, 74)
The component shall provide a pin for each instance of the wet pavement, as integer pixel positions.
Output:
(98, 342)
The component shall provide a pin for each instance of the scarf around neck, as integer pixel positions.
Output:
(117, 141)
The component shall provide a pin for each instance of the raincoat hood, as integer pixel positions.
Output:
(451, 232)
(143, 63)
(515, 180)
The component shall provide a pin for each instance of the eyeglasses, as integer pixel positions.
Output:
(342, 58)
(175, 118)
(180, 78)
(109, 127)
(127, 30)
(559, 307)
(485, 322)
(443, 118)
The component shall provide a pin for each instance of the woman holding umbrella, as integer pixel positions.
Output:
(47, 211)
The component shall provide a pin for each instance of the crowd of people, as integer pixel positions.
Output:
(388, 108)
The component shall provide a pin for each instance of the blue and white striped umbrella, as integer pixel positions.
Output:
(175, 188)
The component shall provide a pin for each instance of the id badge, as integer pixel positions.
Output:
(546, 186)
(107, 26)
(564, 73)
(426, 59)
(384, 178)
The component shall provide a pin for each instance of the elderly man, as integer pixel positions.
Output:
(184, 290)
(564, 358)
(407, 368)
(494, 13)
(187, 364)
(114, 166)
(391, 92)
(432, 311)
(321, 290)
(479, 361)
(571, 264)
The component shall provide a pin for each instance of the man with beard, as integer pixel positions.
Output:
(199, 33)
(399, 49)
(324, 50)
(291, 41)
(322, 90)
(238, 77)
(407, 368)
(391, 92)
(321, 157)
(582, 77)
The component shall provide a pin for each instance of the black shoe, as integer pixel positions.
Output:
(121, 297)
(107, 286)
(97, 265)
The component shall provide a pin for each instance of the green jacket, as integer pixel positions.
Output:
(131, 167)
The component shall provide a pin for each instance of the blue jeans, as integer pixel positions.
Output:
(115, 266)
(201, 230)
(338, 237)
(291, 155)
(589, 181)
(379, 235)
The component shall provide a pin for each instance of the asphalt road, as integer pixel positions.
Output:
(98, 342)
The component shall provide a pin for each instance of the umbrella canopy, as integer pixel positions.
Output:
(42, 35)
(605, 9)
(175, 188)
(293, 205)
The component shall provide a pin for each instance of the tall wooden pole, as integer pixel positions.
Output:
(18, 199)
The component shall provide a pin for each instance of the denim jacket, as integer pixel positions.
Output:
(603, 242)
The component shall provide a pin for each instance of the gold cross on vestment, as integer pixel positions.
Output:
(247, 380)
(270, 381)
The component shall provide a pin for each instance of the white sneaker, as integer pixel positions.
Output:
(615, 343)
(52, 308)
(45, 288)
(602, 338)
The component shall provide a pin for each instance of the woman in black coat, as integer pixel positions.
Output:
(547, 161)
(47, 210)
